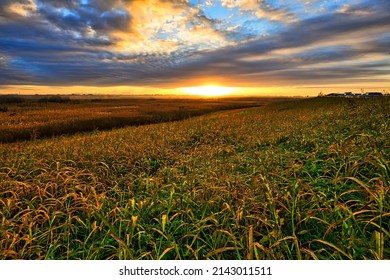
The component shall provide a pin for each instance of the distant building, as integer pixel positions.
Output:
(374, 94)
(349, 94)
(335, 94)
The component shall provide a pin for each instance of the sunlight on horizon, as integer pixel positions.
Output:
(210, 91)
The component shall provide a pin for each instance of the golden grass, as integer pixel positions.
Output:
(33, 120)
(306, 179)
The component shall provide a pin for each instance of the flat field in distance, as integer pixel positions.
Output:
(26, 118)
(297, 179)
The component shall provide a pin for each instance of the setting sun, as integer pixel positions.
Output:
(209, 90)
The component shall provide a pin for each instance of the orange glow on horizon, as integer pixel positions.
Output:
(209, 91)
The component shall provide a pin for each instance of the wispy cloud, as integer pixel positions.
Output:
(168, 43)
(261, 9)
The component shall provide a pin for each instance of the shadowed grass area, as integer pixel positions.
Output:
(304, 179)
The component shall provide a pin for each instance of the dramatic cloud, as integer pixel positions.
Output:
(167, 43)
(260, 8)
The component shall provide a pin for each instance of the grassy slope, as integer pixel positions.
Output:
(300, 179)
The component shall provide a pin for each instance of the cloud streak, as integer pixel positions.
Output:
(165, 43)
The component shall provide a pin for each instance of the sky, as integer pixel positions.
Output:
(269, 47)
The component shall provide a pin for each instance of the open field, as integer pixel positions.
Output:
(33, 118)
(301, 179)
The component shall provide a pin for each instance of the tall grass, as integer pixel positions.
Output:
(305, 179)
(53, 116)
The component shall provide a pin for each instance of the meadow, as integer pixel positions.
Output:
(298, 179)
(35, 117)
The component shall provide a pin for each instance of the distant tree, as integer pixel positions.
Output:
(7, 99)
(321, 94)
(55, 99)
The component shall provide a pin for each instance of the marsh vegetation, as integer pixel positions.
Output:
(37, 117)
(300, 179)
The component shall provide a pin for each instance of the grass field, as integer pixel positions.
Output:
(33, 118)
(300, 179)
